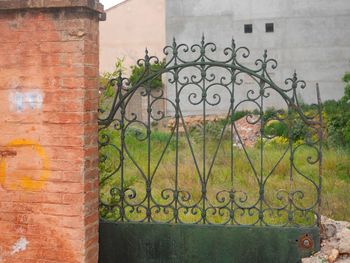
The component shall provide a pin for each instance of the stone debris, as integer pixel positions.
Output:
(335, 243)
(333, 256)
(194, 120)
(247, 129)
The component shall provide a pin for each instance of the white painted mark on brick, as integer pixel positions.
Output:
(21, 101)
(20, 245)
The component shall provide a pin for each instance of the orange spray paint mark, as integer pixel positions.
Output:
(26, 182)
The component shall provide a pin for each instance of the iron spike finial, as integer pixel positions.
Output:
(203, 38)
(119, 79)
(295, 75)
(233, 43)
(265, 54)
(147, 58)
(174, 42)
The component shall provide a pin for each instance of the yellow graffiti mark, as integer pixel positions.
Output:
(25, 182)
(2, 171)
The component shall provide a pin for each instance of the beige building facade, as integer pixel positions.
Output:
(132, 26)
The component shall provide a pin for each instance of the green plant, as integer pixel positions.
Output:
(269, 113)
(276, 128)
(337, 116)
(105, 79)
(240, 114)
(299, 130)
(343, 170)
(107, 85)
(139, 72)
(346, 80)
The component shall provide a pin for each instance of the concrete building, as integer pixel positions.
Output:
(311, 37)
(132, 26)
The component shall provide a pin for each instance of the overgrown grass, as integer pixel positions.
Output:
(144, 160)
(243, 176)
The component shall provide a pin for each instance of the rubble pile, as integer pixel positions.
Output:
(194, 120)
(335, 243)
(246, 128)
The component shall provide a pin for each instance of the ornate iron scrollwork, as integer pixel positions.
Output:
(198, 80)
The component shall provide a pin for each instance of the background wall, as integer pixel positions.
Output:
(312, 37)
(132, 26)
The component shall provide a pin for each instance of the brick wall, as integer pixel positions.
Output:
(48, 131)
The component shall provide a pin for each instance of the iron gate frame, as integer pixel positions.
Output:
(303, 240)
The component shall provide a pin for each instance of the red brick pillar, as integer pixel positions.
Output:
(48, 130)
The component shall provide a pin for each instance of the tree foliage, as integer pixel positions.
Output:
(138, 72)
(337, 115)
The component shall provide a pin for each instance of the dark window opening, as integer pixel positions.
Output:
(248, 28)
(269, 27)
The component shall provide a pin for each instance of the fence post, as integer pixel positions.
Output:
(48, 133)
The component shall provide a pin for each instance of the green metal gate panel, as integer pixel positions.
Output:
(150, 243)
(159, 212)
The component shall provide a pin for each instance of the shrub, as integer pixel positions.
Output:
(138, 72)
(337, 117)
(106, 77)
(276, 128)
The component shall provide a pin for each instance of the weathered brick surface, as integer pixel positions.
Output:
(48, 132)
(25, 4)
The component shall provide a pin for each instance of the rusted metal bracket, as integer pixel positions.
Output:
(305, 242)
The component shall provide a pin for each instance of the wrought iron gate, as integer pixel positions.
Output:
(176, 191)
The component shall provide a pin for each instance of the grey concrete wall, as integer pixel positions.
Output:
(310, 36)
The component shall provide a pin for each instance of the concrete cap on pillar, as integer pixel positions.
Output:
(93, 5)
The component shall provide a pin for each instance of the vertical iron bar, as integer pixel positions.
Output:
(261, 187)
(148, 183)
(204, 184)
(177, 101)
(122, 141)
(291, 159)
(320, 168)
(232, 101)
